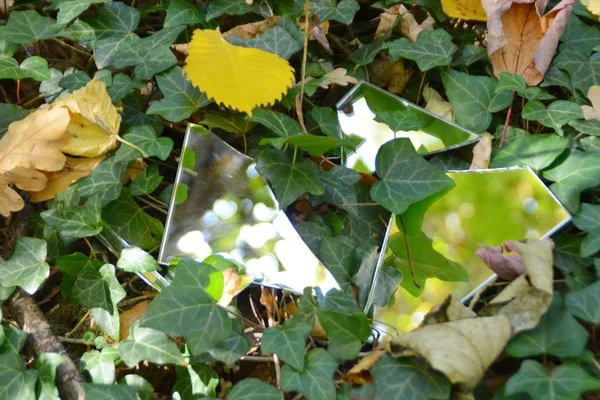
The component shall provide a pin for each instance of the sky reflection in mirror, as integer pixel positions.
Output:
(231, 211)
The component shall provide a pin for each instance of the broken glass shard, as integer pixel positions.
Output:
(375, 116)
(486, 207)
(231, 211)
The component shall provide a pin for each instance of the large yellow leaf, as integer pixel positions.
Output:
(464, 9)
(238, 77)
(59, 181)
(592, 6)
(94, 122)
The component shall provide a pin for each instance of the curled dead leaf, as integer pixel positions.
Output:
(505, 263)
(233, 285)
(135, 168)
(482, 152)
(254, 29)
(317, 30)
(592, 112)
(129, 317)
(452, 309)
(436, 104)
(521, 39)
(338, 76)
(359, 373)
(407, 24)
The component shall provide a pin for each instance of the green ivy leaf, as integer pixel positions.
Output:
(187, 309)
(557, 333)
(590, 127)
(194, 380)
(585, 303)
(327, 120)
(288, 342)
(579, 35)
(46, 365)
(555, 116)
(288, 179)
(312, 144)
(32, 67)
(134, 113)
(146, 138)
(473, 99)
(16, 383)
(468, 55)
(83, 282)
(366, 53)
(106, 320)
(330, 10)
(312, 233)
(232, 349)
(583, 69)
(387, 282)
(253, 388)
(79, 31)
(511, 83)
(365, 227)
(401, 120)
(217, 8)
(10, 113)
(432, 49)
(404, 379)
(566, 382)
(588, 219)
(316, 381)
(27, 267)
(109, 392)
(236, 123)
(181, 98)
(337, 253)
(284, 39)
(134, 259)
(68, 10)
(143, 388)
(278, 123)
(591, 143)
(183, 12)
(145, 344)
(76, 80)
(580, 171)
(339, 188)
(132, 223)
(27, 27)
(74, 222)
(100, 365)
(535, 151)
(147, 183)
(122, 85)
(405, 177)
(105, 182)
(425, 261)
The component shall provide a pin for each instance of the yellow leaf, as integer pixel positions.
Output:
(135, 168)
(592, 6)
(436, 104)
(464, 9)
(59, 181)
(238, 77)
(94, 122)
(9, 199)
(592, 112)
(482, 152)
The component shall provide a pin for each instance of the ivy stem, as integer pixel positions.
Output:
(133, 146)
(421, 87)
(295, 154)
(305, 49)
(506, 122)
(410, 265)
(81, 321)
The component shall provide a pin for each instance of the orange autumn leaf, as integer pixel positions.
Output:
(521, 39)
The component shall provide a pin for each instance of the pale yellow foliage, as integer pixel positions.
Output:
(592, 112)
(592, 6)
(464, 9)
(482, 152)
(238, 77)
(95, 121)
(436, 104)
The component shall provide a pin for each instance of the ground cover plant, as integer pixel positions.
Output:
(96, 96)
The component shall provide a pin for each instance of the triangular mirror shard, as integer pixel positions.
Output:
(231, 211)
(485, 207)
(375, 116)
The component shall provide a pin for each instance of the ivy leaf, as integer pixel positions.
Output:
(337, 253)
(147, 182)
(217, 8)
(590, 127)
(555, 116)
(143, 388)
(425, 262)
(232, 349)
(288, 342)
(109, 321)
(473, 98)
(145, 344)
(230, 122)
(405, 177)
(196, 379)
(80, 31)
(68, 10)
(16, 383)
(339, 188)
(122, 85)
(132, 223)
(312, 233)
(108, 50)
(366, 53)
(134, 113)
(10, 113)
(278, 123)
(187, 309)
(580, 171)
(579, 35)
(181, 98)
(316, 381)
(109, 392)
(583, 69)
(400, 120)
(469, 54)
(74, 222)
(386, 283)
(114, 19)
(27, 27)
(312, 144)
(588, 219)
(46, 365)
(511, 83)
(83, 282)
(134, 259)
(253, 388)
(365, 227)
(105, 182)
(76, 80)
(149, 55)
(327, 120)
(566, 382)
(100, 364)
(284, 39)
(182, 12)
(535, 151)
(585, 303)
(32, 67)
(288, 179)
(557, 333)
(146, 138)
(328, 10)
(27, 267)
(432, 49)
(404, 379)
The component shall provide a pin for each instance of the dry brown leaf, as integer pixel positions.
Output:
(135, 168)
(338, 77)
(317, 30)
(267, 300)
(254, 29)
(233, 285)
(9, 199)
(59, 181)
(95, 121)
(452, 309)
(359, 373)
(592, 112)
(129, 317)
(436, 104)
(408, 25)
(482, 152)
(521, 40)
(390, 75)
(5, 5)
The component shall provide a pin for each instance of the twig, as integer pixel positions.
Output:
(81, 321)
(152, 205)
(135, 300)
(506, 122)
(257, 358)
(410, 264)
(71, 340)
(305, 49)
(277, 370)
(253, 307)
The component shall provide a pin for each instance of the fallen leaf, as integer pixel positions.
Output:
(471, 10)
(135, 168)
(521, 40)
(59, 181)
(592, 112)
(233, 285)
(408, 25)
(9, 199)
(390, 75)
(5, 5)
(358, 374)
(452, 309)
(507, 264)
(482, 152)
(338, 76)
(267, 300)
(254, 29)
(436, 104)
(95, 121)
(130, 316)
(317, 30)
(592, 6)
(234, 75)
